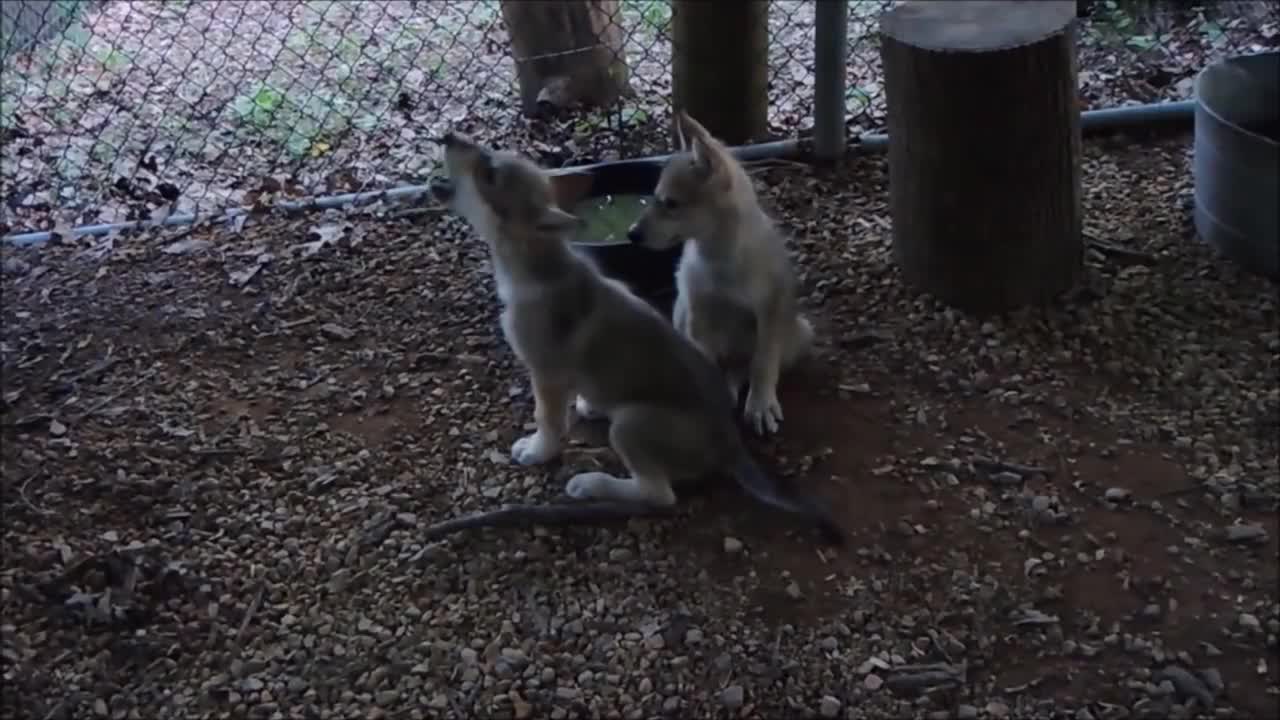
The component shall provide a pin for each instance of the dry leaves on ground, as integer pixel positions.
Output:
(214, 481)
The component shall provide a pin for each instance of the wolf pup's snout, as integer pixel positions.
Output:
(635, 234)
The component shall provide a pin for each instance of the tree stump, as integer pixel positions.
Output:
(567, 52)
(984, 150)
(720, 66)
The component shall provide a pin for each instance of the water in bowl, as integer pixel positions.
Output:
(607, 218)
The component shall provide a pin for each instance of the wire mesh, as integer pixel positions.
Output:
(123, 110)
(1129, 51)
(1143, 51)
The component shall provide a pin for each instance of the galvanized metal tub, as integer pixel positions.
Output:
(1237, 160)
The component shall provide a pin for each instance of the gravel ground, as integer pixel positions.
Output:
(218, 446)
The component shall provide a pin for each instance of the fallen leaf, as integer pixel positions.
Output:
(175, 431)
(16, 266)
(320, 236)
(336, 331)
(307, 249)
(100, 247)
(61, 232)
(355, 236)
(187, 246)
(162, 213)
(327, 233)
(240, 278)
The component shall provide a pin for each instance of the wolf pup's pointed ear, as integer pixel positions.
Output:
(692, 128)
(703, 157)
(682, 140)
(555, 220)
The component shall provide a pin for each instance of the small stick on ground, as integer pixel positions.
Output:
(920, 678)
(295, 323)
(90, 373)
(1178, 492)
(411, 213)
(933, 636)
(57, 710)
(89, 411)
(1133, 257)
(248, 615)
(994, 466)
(22, 493)
(863, 339)
(553, 514)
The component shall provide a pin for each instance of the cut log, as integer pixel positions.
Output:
(567, 52)
(984, 150)
(720, 66)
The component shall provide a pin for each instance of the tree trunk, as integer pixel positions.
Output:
(567, 52)
(720, 73)
(984, 150)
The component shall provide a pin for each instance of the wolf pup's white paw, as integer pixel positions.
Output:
(585, 410)
(591, 486)
(534, 449)
(763, 411)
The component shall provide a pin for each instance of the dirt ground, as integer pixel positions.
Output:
(213, 475)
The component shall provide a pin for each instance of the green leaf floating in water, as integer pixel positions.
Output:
(606, 219)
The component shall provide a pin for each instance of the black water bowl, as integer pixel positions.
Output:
(584, 190)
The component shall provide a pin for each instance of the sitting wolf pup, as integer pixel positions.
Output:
(736, 290)
(576, 331)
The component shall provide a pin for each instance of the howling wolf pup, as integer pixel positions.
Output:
(578, 332)
(736, 289)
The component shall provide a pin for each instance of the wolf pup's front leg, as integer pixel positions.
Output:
(689, 322)
(682, 318)
(762, 408)
(551, 414)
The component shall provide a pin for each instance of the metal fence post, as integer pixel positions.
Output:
(831, 25)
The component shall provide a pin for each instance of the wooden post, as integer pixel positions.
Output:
(984, 149)
(830, 68)
(720, 66)
(567, 52)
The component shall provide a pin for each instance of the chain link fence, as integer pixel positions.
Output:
(1131, 52)
(124, 110)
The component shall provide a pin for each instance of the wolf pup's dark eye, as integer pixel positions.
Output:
(666, 203)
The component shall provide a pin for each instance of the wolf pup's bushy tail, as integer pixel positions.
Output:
(764, 487)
